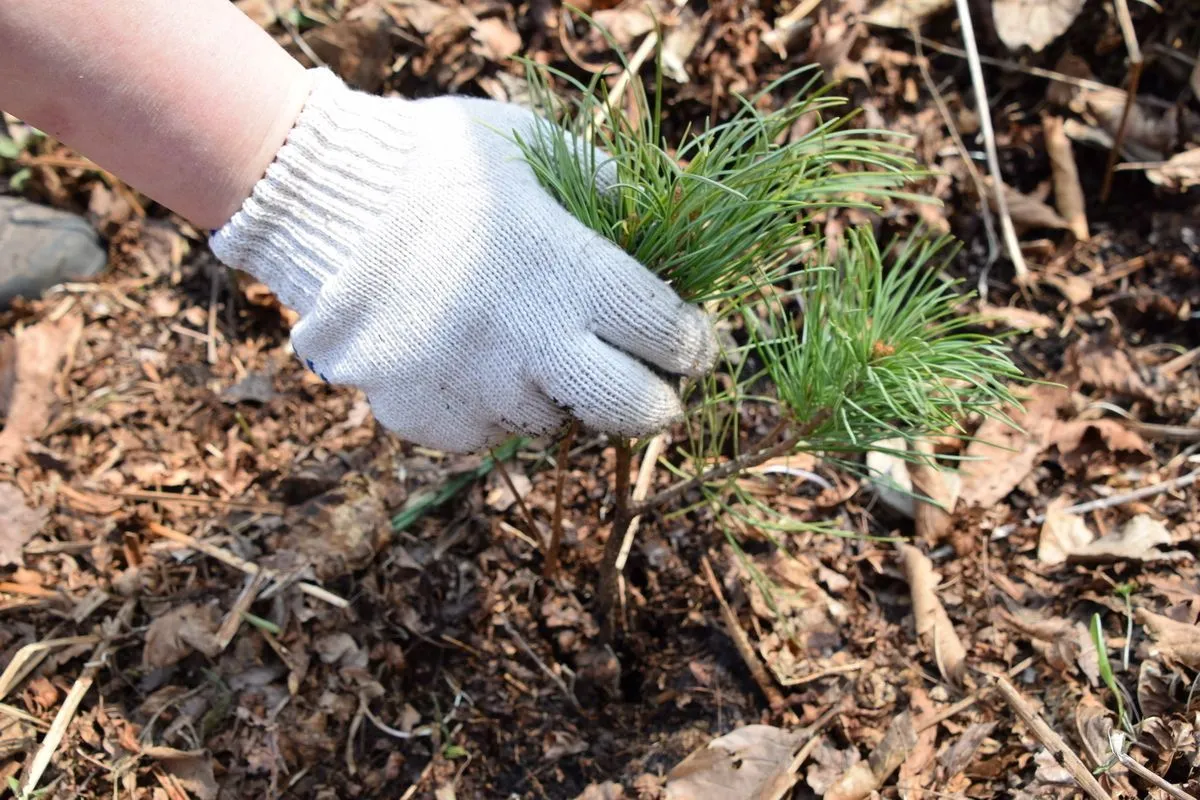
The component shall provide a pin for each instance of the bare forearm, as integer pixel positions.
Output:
(187, 100)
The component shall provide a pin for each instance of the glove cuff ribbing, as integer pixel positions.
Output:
(321, 197)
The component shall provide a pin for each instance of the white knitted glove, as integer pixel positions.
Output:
(431, 270)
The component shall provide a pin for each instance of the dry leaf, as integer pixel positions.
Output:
(173, 636)
(1000, 455)
(1076, 288)
(1093, 724)
(857, 782)
(1068, 193)
(603, 791)
(625, 24)
(1020, 319)
(906, 13)
(916, 771)
(1136, 540)
(898, 742)
(960, 754)
(1154, 689)
(1103, 366)
(338, 531)
(264, 12)
(937, 635)
(557, 744)
(827, 765)
(1079, 440)
(356, 47)
(1177, 641)
(1062, 533)
(1028, 212)
(18, 524)
(1033, 23)
(498, 39)
(1064, 644)
(890, 479)
(679, 43)
(427, 16)
(193, 769)
(932, 519)
(40, 349)
(804, 618)
(501, 498)
(1180, 173)
(751, 763)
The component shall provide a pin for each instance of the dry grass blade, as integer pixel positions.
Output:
(65, 714)
(29, 656)
(1051, 740)
(16, 713)
(989, 225)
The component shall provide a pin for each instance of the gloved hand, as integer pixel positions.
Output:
(431, 270)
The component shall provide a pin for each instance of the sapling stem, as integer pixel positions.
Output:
(556, 525)
(609, 576)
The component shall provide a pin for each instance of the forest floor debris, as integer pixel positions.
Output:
(202, 593)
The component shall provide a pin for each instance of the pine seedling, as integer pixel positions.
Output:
(850, 343)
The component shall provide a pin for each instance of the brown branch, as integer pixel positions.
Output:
(556, 524)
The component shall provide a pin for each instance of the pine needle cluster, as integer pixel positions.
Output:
(853, 343)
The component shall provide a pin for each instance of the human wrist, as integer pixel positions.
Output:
(293, 85)
(321, 192)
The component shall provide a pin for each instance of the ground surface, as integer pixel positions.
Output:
(454, 669)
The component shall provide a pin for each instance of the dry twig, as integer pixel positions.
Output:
(989, 225)
(774, 697)
(989, 140)
(1181, 482)
(28, 657)
(1116, 742)
(534, 531)
(250, 568)
(1135, 76)
(1051, 740)
(551, 674)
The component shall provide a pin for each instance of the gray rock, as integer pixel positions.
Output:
(41, 247)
